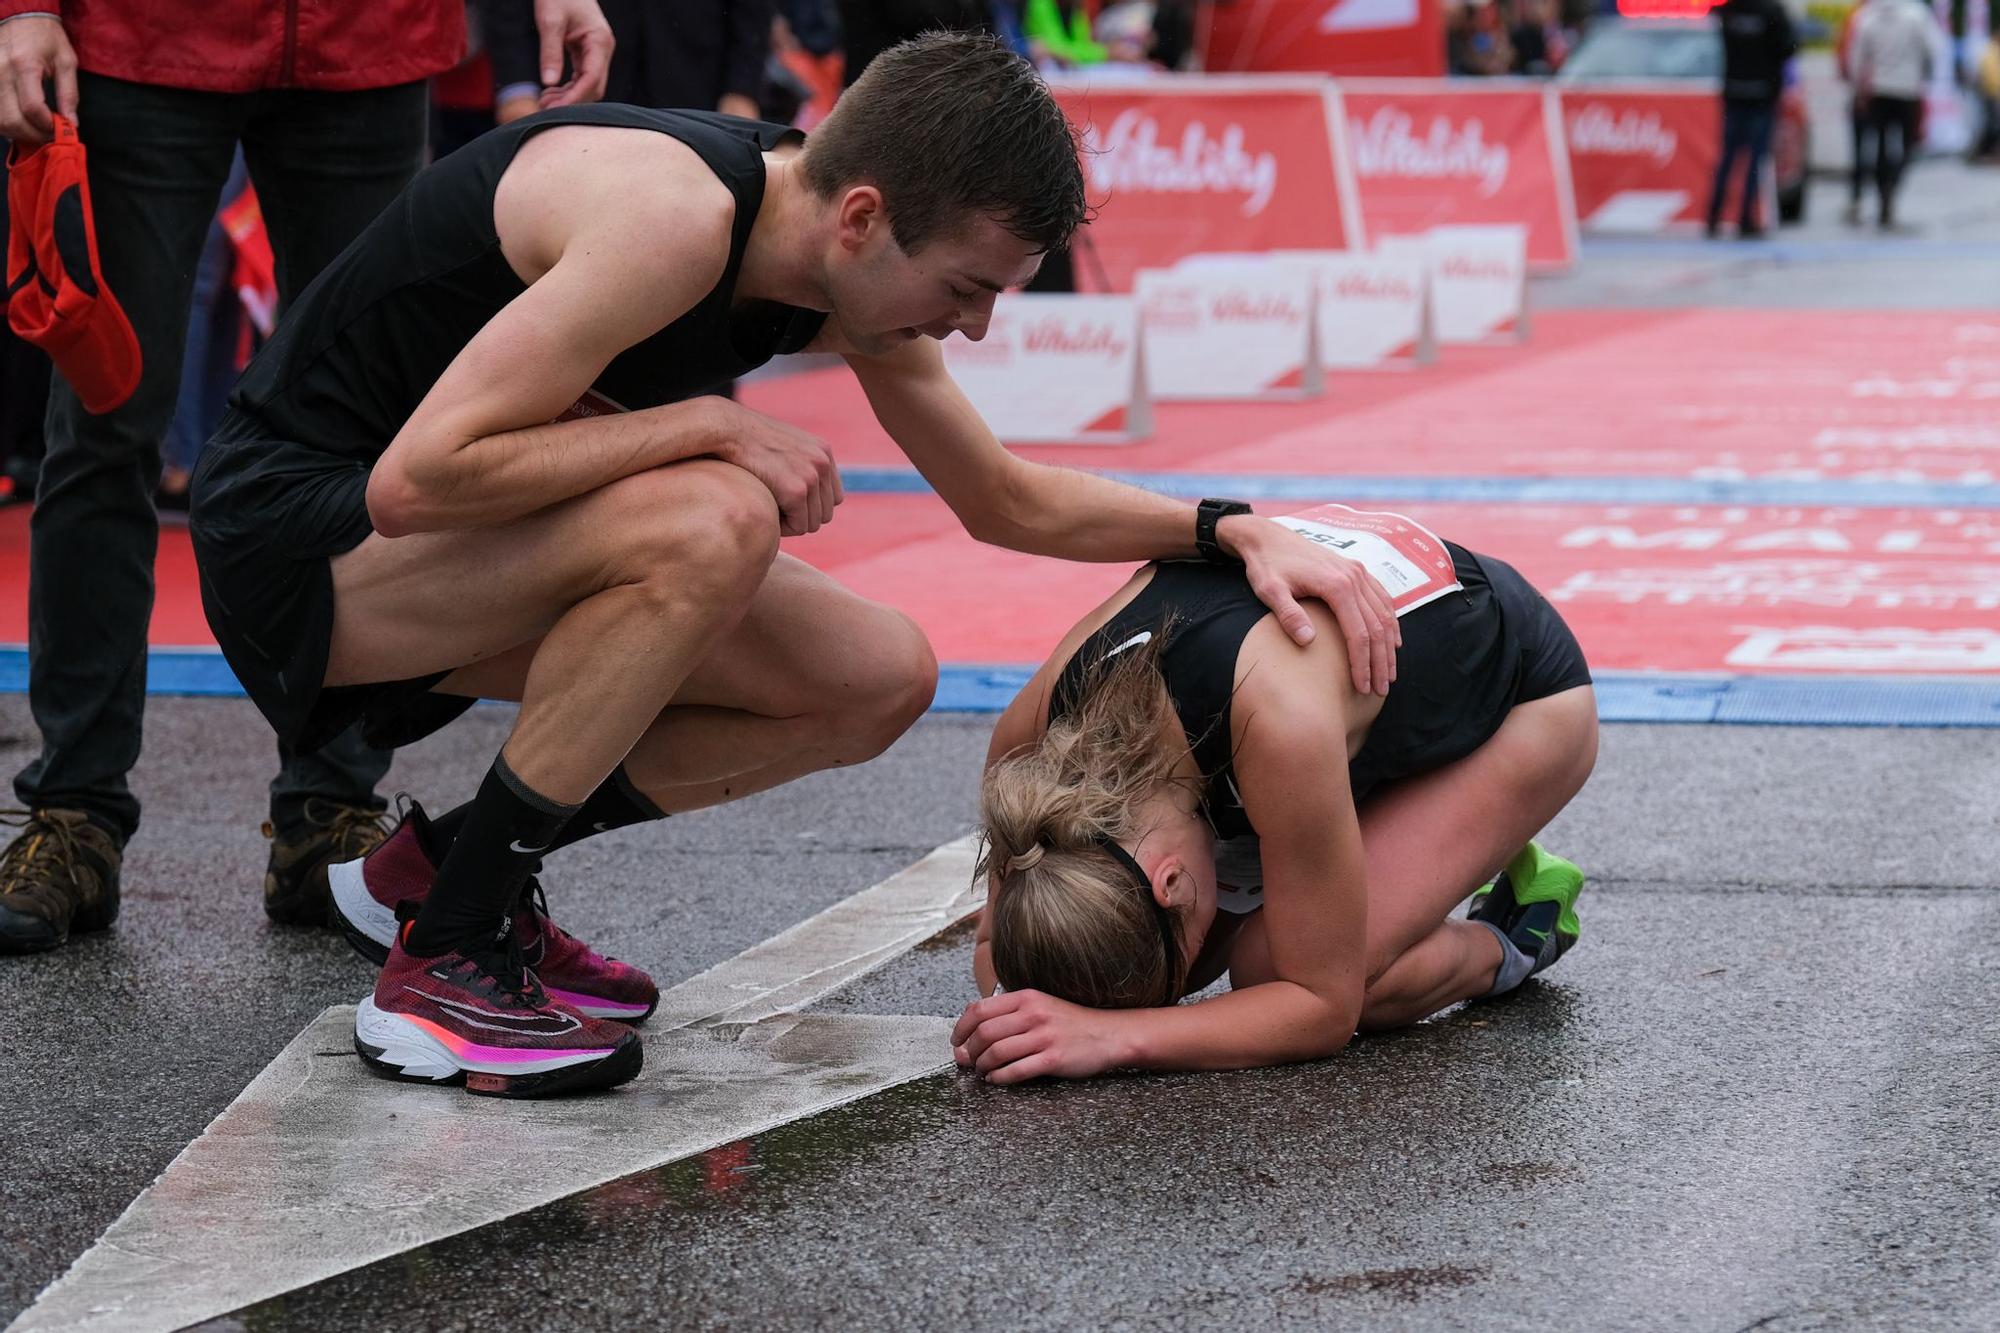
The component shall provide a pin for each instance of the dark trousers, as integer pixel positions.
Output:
(1867, 148)
(1746, 132)
(24, 390)
(324, 164)
(1893, 123)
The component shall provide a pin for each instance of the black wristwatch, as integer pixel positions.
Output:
(1206, 516)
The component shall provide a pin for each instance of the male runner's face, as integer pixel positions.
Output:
(884, 297)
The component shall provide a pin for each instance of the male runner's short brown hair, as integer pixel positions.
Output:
(950, 124)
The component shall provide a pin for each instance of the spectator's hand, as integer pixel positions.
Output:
(736, 104)
(575, 27)
(1284, 569)
(34, 49)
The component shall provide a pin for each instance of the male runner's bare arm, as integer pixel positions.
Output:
(480, 450)
(1007, 501)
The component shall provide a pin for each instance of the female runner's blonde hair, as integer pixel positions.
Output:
(1067, 918)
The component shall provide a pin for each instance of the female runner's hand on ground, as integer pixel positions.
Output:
(1018, 1035)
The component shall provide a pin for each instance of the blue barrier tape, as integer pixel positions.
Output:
(1830, 701)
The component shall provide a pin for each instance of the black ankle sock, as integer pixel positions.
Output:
(500, 841)
(616, 803)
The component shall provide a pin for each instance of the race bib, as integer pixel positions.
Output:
(1239, 875)
(1406, 558)
(592, 404)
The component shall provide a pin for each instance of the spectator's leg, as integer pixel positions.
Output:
(158, 157)
(1908, 114)
(24, 395)
(325, 164)
(1734, 142)
(1889, 148)
(1759, 123)
(209, 326)
(1864, 161)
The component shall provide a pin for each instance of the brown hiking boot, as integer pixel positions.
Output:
(295, 892)
(59, 875)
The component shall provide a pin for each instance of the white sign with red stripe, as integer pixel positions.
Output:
(1056, 369)
(1373, 310)
(1406, 558)
(1228, 328)
(1479, 280)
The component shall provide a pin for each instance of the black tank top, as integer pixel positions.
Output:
(368, 338)
(1458, 674)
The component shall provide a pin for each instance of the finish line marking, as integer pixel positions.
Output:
(1622, 696)
(318, 1167)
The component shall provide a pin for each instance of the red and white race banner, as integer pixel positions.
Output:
(1179, 165)
(1642, 158)
(1478, 280)
(1383, 38)
(1057, 370)
(1373, 310)
(1433, 153)
(1223, 330)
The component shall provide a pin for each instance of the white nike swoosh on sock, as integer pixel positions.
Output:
(527, 851)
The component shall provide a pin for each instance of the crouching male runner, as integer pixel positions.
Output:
(389, 526)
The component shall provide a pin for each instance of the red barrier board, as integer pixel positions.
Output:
(1383, 38)
(1641, 158)
(1436, 153)
(1182, 166)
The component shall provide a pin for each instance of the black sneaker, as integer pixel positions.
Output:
(295, 888)
(59, 876)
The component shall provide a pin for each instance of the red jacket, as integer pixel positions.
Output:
(240, 46)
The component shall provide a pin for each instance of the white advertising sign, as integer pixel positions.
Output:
(1057, 369)
(1373, 310)
(1479, 280)
(1224, 328)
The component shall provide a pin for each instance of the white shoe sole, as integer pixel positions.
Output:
(359, 913)
(402, 1047)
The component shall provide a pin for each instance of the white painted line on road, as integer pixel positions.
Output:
(318, 1167)
(823, 953)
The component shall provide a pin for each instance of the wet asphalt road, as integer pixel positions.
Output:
(1762, 1086)
(1760, 1093)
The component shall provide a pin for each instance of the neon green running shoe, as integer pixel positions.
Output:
(1533, 903)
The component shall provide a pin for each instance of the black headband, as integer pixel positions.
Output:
(1161, 916)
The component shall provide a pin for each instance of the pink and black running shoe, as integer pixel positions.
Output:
(374, 895)
(481, 1019)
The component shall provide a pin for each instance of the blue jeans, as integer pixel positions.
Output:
(208, 362)
(1746, 130)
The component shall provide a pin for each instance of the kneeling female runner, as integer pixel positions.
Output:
(1182, 791)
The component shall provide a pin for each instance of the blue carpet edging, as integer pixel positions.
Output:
(1832, 494)
(1622, 696)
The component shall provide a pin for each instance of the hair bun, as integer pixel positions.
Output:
(1027, 860)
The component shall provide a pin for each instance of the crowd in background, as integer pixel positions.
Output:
(1487, 38)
